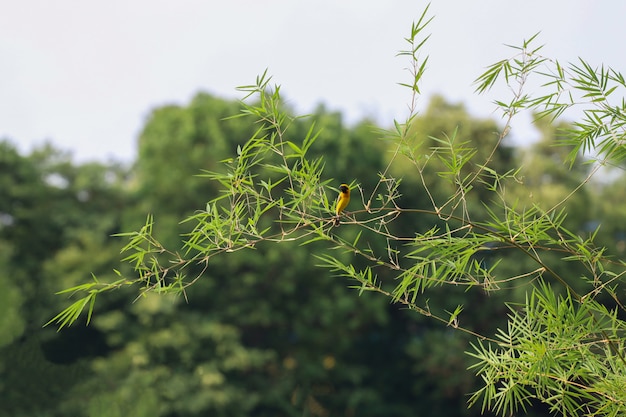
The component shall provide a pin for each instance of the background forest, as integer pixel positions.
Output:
(263, 332)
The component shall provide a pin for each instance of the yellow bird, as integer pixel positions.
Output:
(342, 201)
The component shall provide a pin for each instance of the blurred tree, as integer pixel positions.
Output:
(609, 212)
(12, 322)
(441, 217)
(262, 333)
(292, 335)
(547, 180)
(49, 208)
(175, 145)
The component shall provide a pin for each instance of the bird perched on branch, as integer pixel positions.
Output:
(342, 201)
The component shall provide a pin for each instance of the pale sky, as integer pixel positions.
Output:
(85, 74)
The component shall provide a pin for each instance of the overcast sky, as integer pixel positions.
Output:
(85, 74)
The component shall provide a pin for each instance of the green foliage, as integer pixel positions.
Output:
(486, 249)
(183, 369)
(11, 300)
(565, 353)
